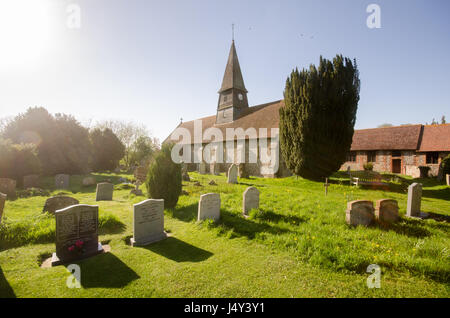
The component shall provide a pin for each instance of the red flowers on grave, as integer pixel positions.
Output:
(77, 247)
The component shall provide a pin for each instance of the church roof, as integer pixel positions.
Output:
(233, 75)
(435, 138)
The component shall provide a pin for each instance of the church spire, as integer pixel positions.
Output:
(233, 75)
(232, 94)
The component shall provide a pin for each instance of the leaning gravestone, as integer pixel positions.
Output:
(31, 181)
(232, 174)
(209, 207)
(250, 200)
(386, 210)
(359, 212)
(8, 186)
(62, 181)
(148, 222)
(2, 205)
(104, 191)
(76, 234)
(59, 202)
(414, 201)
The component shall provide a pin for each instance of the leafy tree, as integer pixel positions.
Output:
(443, 120)
(164, 177)
(18, 160)
(107, 149)
(434, 122)
(446, 165)
(385, 125)
(317, 121)
(128, 133)
(62, 144)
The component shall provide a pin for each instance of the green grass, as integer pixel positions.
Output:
(296, 245)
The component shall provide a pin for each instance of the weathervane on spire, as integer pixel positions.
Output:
(232, 31)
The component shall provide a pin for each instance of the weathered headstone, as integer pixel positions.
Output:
(104, 191)
(414, 200)
(88, 181)
(209, 207)
(8, 186)
(2, 205)
(31, 181)
(62, 181)
(148, 222)
(140, 173)
(76, 234)
(136, 191)
(59, 202)
(359, 212)
(185, 176)
(250, 200)
(447, 178)
(386, 210)
(202, 168)
(232, 174)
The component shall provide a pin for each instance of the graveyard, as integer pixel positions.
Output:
(296, 244)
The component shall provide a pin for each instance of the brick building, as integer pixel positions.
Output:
(400, 149)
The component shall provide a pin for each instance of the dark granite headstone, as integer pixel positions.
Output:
(76, 234)
(62, 181)
(58, 202)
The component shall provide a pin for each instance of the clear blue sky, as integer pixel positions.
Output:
(153, 62)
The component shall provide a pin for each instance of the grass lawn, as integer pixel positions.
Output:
(296, 245)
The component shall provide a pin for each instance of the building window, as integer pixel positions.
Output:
(432, 157)
(371, 156)
(396, 153)
(351, 156)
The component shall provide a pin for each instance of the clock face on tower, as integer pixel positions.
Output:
(241, 97)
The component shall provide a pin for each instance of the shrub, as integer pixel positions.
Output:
(424, 171)
(368, 166)
(164, 178)
(446, 165)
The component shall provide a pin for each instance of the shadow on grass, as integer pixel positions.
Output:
(178, 251)
(106, 271)
(267, 215)
(408, 227)
(5, 289)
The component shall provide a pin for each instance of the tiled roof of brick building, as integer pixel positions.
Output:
(388, 138)
(435, 138)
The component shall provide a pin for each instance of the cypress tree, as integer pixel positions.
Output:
(317, 121)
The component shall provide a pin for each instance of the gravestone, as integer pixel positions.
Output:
(209, 207)
(76, 234)
(447, 178)
(250, 200)
(359, 212)
(88, 181)
(62, 181)
(232, 174)
(59, 202)
(202, 168)
(386, 210)
(8, 187)
(414, 201)
(31, 181)
(140, 173)
(136, 191)
(104, 191)
(214, 169)
(2, 205)
(185, 176)
(148, 222)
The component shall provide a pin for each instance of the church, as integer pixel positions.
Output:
(400, 149)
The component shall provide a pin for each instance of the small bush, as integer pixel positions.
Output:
(164, 178)
(446, 165)
(368, 166)
(424, 171)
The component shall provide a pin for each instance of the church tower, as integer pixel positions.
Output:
(232, 94)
